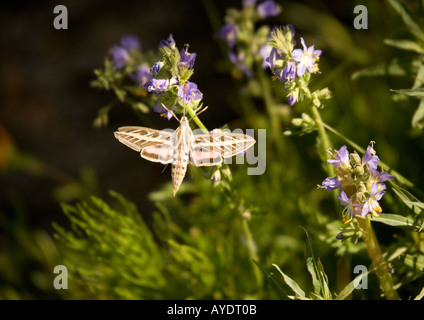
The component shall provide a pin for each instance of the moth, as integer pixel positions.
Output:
(182, 146)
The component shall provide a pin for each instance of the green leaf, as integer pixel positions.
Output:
(316, 269)
(420, 295)
(412, 26)
(139, 106)
(102, 118)
(416, 92)
(394, 220)
(415, 261)
(409, 200)
(346, 291)
(300, 294)
(393, 68)
(418, 116)
(120, 93)
(282, 294)
(407, 45)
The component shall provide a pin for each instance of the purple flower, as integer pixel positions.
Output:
(306, 59)
(268, 9)
(371, 205)
(156, 67)
(163, 112)
(156, 85)
(120, 56)
(273, 57)
(350, 209)
(370, 159)
(265, 52)
(341, 159)
(187, 59)
(289, 72)
(247, 3)
(189, 92)
(384, 176)
(174, 81)
(142, 76)
(238, 61)
(170, 42)
(130, 42)
(292, 98)
(331, 183)
(228, 32)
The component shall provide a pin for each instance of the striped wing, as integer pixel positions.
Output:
(210, 149)
(153, 145)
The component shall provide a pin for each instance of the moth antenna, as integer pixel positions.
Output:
(201, 111)
(164, 168)
(171, 112)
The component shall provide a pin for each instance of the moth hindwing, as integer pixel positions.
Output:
(181, 147)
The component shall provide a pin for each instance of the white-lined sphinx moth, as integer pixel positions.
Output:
(181, 147)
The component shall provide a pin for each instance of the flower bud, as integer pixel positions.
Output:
(358, 170)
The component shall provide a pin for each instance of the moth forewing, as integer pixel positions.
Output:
(138, 138)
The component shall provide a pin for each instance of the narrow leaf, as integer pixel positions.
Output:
(420, 295)
(346, 291)
(300, 294)
(316, 269)
(407, 45)
(393, 69)
(415, 261)
(394, 220)
(282, 294)
(412, 26)
(418, 116)
(417, 92)
(409, 200)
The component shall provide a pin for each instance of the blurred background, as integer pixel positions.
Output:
(51, 153)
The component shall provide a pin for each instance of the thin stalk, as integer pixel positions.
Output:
(325, 140)
(251, 247)
(269, 104)
(196, 119)
(376, 256)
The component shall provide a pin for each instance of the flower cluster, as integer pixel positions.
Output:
(121, 54)
(361, 184)
(247, 45)
(170, 78)
(292, 66)
(146, 80)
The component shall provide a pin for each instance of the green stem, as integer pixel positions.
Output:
(251, 247)
(376, 256)
(269, 103)
(325, 141)
(196, 119)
